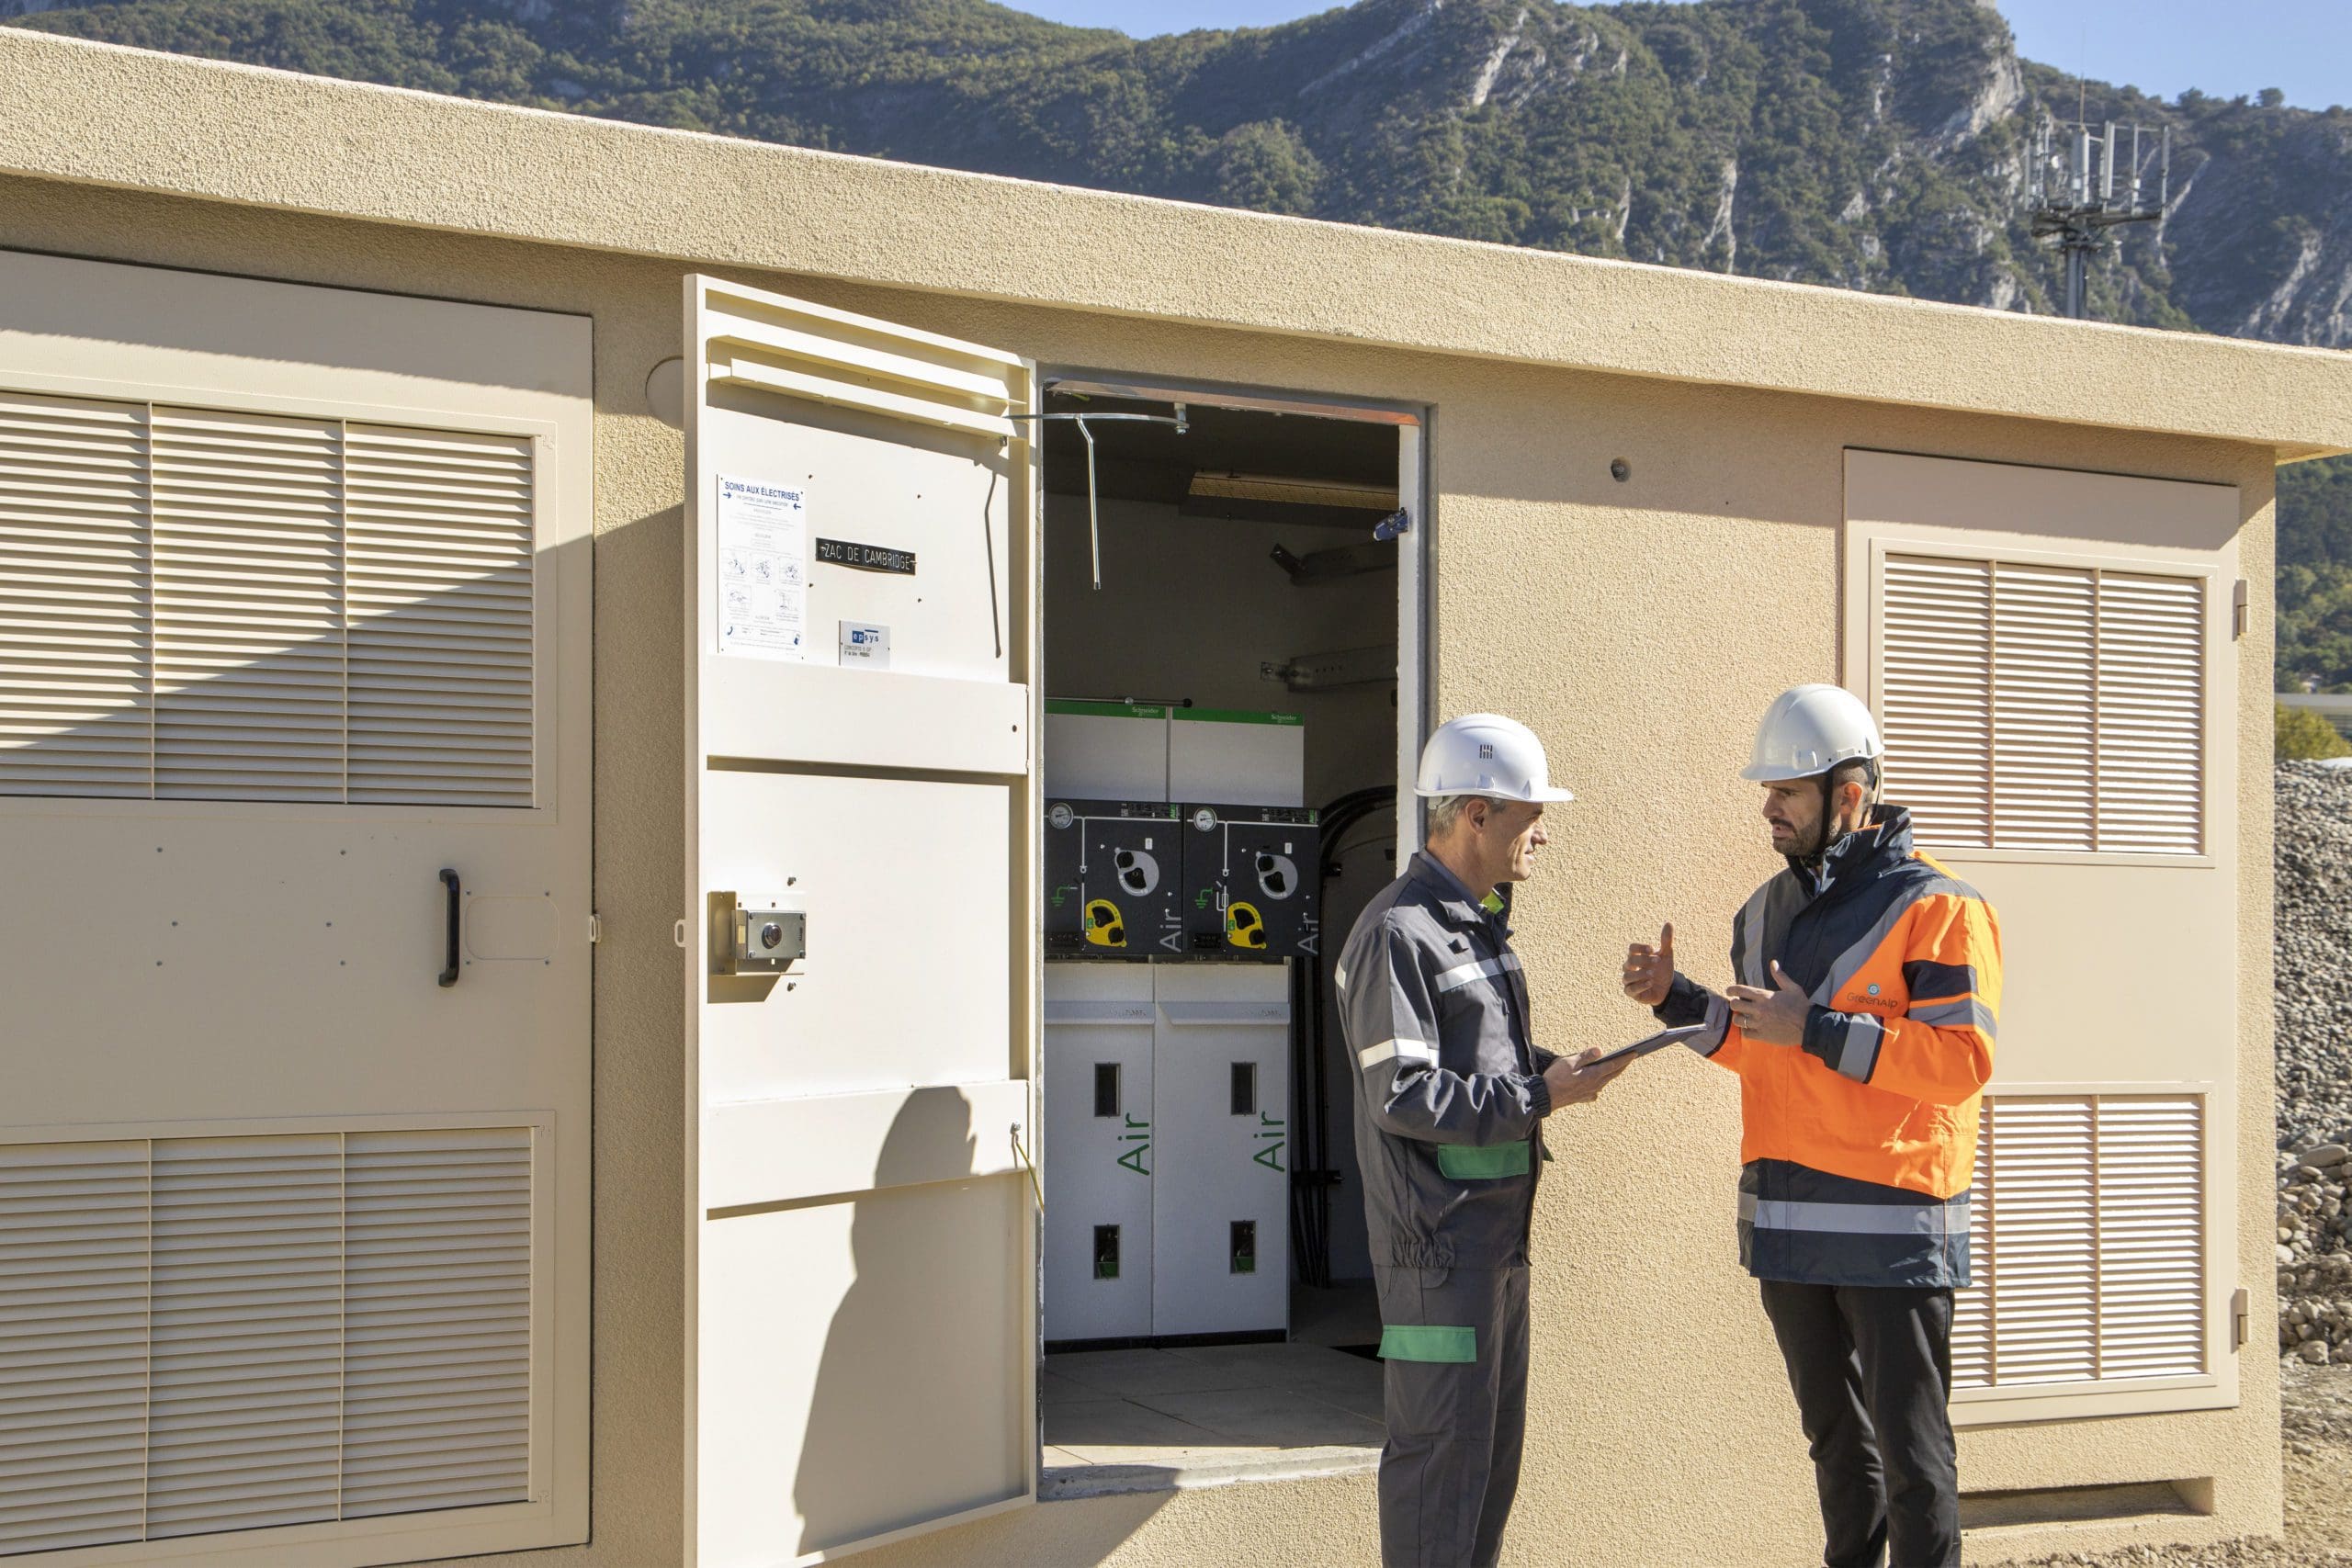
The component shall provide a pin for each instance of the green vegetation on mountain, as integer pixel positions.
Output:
(2300, 735)
(1872, 144)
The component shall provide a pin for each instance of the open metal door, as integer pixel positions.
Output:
(861, 642)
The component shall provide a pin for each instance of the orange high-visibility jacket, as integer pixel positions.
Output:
(1859, 1144)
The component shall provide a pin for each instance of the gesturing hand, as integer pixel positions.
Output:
(1771, 1017)
(1573, 1082)
(1649, 971)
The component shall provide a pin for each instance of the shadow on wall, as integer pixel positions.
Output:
(919, 1408)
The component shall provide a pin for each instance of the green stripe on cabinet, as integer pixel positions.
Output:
(1237, 716)
(1059, 705)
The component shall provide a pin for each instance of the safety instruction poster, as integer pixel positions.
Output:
(762, 569)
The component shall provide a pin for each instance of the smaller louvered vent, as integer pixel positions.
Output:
(2031, 707)
(2087, 1235)
(438, 556)
(200, 1336)
(76, 677)
(198, 604)
(248, 606)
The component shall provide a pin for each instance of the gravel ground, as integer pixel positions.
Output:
(2314, 1012)
(2316, 1404)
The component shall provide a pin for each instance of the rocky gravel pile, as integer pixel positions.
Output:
(2312, 947)
(2316, 1252)
(2312, 950)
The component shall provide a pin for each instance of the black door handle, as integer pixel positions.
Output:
(449, 950)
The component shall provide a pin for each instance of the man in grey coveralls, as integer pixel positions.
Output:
(1451, 1094)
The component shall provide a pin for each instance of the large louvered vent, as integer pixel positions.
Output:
(197, 604)
(2088, 1242)
(206, 1335)
(2043, 707)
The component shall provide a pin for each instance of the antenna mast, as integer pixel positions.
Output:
(2072, 187)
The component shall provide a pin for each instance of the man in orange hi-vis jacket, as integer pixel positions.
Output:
(1861, 1029)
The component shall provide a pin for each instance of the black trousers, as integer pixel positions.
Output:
(1872, 1370)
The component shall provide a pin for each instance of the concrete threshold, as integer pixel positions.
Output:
(1239, 1467)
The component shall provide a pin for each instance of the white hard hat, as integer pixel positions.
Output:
(1484, 753)
(1811, 729)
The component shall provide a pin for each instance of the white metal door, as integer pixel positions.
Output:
(294, 600)
(859, 713)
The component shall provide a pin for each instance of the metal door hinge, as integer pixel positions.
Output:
(595, 928)
(2239, 612)
(678, 934)
(2237, 1319)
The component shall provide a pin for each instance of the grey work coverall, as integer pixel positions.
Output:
(1449, 1096)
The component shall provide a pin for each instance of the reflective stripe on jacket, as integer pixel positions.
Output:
(1859, 1144)
(1450, 1094)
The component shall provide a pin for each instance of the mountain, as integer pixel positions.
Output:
(1872, 144)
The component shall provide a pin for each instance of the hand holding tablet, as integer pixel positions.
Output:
(1658, 1042)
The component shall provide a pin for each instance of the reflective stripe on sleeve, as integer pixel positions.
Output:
(1965, 1013)
(1718, 1022)
(1339, 976)
(1453, 979)
(1864, 1035)
(1402, 1050)
(1925, 1217)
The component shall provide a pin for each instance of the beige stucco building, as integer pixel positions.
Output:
(358, 529)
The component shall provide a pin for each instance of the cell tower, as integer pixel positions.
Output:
(2072, 185)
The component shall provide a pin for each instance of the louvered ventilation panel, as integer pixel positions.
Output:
(2088, 1234)
(2151, 713)
(74, 666)
(439, 557)
(207, 1334)
(1937, 693)
(2038, 707)
(248, 606)
(2151, 1237)
(2044, 702)
(207, 605)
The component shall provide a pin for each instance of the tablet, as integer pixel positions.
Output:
(1658, 1042)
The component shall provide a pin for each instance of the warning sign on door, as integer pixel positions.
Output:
(762, 569)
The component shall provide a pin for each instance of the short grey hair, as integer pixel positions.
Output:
(1445, 810)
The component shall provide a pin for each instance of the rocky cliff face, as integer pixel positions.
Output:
(1872, 144)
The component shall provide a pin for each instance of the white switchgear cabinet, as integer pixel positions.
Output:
(1168, 1127)
(1100, 1157)
(1221, 1111)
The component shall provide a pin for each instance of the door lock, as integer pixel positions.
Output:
(759, 942)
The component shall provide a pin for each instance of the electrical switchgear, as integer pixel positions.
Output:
(1114, 880)
(1251, 888)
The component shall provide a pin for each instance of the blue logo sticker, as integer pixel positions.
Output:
(1874, 990)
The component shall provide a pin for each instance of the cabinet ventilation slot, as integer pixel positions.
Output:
(200, 605)
(207, 1334)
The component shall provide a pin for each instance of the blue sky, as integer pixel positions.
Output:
(2223, 47)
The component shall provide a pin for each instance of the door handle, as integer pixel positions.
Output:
(449, 947)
